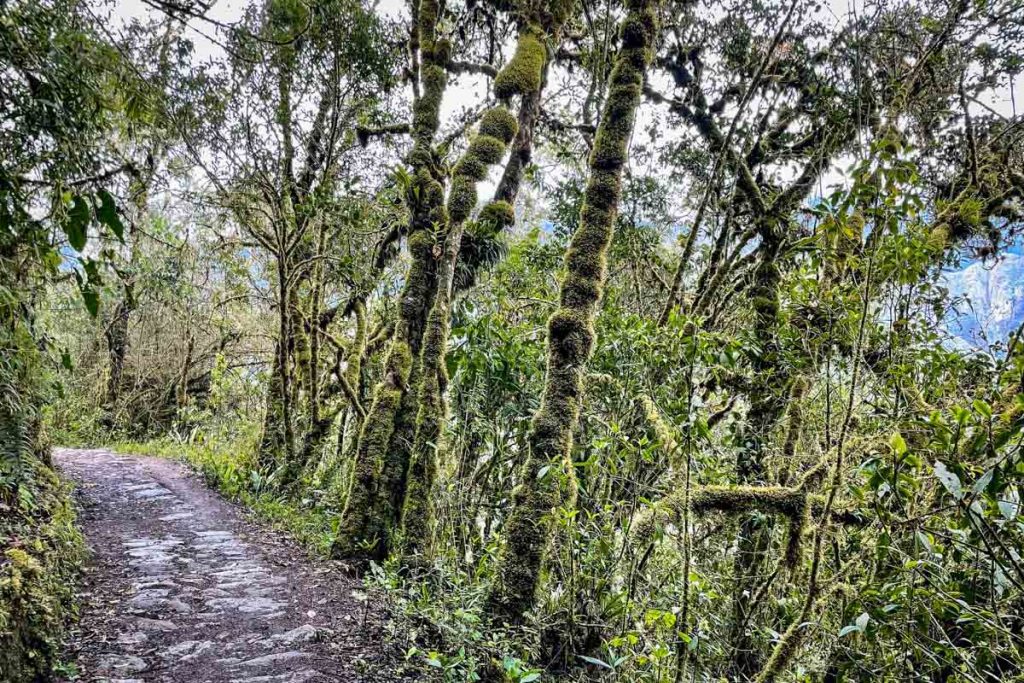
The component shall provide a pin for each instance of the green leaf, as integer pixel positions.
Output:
(77, 223)
(596, 662)
(92, 301)
(1009, 505)
(92, 270)
(983, 482)
(107, 214)
(949, 480)
(89, 295)
(530, 678)
(983, 408)
(862, 622)
(899, 446)
(65, 360)
(859, 625)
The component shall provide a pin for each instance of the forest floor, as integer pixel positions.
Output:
(182, 587)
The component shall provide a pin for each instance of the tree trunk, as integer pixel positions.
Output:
(497, 128)
(767, 405)
(117, 351)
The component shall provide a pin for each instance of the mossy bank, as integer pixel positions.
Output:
(41, 551)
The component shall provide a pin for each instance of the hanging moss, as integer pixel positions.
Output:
(547, 479)
(524, 72)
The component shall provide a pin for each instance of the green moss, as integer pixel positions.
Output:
(495, 217)
(794, 423)
(359, 532)
(794, 542)
(938, 237)
(792, 503)
(399, 364)
(486, 149)
(471, 168)
(764, 294)
(462, 199)
(499, 123)
(353, 359)
(417, 508)
(662, 430)
(737, 499)
(442, 51)
(426, 199)
(524, 72)
(580, 290)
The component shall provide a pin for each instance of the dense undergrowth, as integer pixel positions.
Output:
(41, 549)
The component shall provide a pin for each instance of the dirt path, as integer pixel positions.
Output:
(180, 587)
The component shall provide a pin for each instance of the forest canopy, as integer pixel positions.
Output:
(610, 341)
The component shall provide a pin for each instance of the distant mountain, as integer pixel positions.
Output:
(994, 305)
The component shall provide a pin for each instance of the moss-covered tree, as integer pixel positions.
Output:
(548, 480)
(381, 460)
(522, 76)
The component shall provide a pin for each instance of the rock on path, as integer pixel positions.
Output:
(181, 588)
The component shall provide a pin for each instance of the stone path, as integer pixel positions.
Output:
(181, 588)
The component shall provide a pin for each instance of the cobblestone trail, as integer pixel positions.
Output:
(181, 588)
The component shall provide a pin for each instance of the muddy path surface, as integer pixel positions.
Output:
(181, 587)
